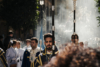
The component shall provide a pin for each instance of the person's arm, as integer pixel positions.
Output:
(3, 59)
(8, 58)
(38, 61)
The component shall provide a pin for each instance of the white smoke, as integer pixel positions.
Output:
(86, 22)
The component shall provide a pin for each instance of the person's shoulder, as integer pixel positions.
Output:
(38, 48)
(21, 49)
(16, 49)
(26, 52)
(9, 49)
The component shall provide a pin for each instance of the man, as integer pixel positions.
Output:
(31, 54)
(11, 55)
(46, 55)
(20, 53)
(7, 40)
(75, 39)
(27, 44)
(3, 62)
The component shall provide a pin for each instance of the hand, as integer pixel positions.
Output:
(18, 59)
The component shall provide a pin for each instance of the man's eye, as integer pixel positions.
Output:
(46, 41)
(50, 41)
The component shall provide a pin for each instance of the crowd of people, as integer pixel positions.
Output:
(72, 55)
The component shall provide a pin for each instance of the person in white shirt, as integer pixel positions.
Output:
(27, 44)
(20, 53)
(11, 55)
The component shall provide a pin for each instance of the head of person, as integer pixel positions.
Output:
(14, 43)
(74, 38)
(28, 42)
(34, 42)
(81, 44)
(18, 44)
(48, 41)
(10, 34)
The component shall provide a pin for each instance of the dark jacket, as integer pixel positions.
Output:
(26, 61)
(2, 57)
(44, 58)
(7, 42)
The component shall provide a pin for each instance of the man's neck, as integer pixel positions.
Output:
(28, 45)
(18, 48)
(13, 46)
(33, 48)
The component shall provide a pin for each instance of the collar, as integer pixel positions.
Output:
(44, 52)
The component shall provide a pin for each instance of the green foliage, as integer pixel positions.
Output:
(21, 13)
(98, 5)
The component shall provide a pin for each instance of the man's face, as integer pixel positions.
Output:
(74, 39)
(48, 43)
(27, 42)
(33, 44)
(18, 45)
(11, 35)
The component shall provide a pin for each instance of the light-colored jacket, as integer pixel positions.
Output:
(20, 53)
(11, 56)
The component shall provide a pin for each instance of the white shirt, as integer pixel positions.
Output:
(27, 47)
(20, 53)
(11, 56)
(33, 54)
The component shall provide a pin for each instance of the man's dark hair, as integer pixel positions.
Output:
(14, 42)
(34, 38)
(48, 35)
(74, 35)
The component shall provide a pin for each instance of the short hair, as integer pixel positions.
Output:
(34, 38)
(48, 35)
(14, 42)
(28, 40)
(73, 36)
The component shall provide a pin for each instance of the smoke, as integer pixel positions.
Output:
(86, 22)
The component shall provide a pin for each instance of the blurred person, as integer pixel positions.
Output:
(81, 44)
(73, 57)
(3, 62)
(46, 54)
(27, 44)
(7, 41)
(75, 39)
(20, 53)
(31, 54)
(11, 55)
